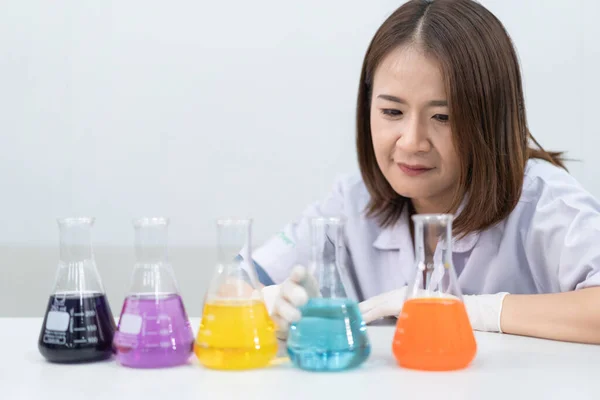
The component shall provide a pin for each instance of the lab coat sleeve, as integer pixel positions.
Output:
(563, 236)
(291, 245)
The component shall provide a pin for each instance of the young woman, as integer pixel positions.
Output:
(441, 128)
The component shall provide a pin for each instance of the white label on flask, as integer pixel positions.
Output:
(130, 324)
(57, 321)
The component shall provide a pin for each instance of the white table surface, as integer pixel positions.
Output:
(506, 367)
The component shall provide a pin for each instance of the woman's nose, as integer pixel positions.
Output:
(413, 138)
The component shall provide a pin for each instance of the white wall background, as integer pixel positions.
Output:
(198, 109)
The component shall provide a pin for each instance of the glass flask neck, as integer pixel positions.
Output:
(433, 238)
(233, 240)
(151, 240)
(76, 273)
(152, 275)
(235, 276)
(327, 238)
(433, 256)
(75, 239)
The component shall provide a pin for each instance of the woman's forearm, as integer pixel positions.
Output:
(571, 316)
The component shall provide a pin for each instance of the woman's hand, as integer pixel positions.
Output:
(484, 311)
(283, 301)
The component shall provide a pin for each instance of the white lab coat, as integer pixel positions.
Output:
(549, 243)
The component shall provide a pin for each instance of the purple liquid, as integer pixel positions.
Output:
(153, 332)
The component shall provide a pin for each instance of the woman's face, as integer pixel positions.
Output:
(411, 131)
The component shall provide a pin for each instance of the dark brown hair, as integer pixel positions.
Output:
(485, 98)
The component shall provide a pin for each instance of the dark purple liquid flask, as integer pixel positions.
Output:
(78, 325)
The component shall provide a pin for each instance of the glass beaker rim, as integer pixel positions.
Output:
(71, 221)
(227, 221)
(432, 217)
(150, 221)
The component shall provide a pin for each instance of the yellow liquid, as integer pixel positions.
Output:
(235, 334)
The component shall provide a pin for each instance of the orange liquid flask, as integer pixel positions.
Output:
(433, 332)
(236, 331)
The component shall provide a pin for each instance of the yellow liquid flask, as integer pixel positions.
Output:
(236, 332)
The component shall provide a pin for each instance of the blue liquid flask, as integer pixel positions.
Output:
(331, 335)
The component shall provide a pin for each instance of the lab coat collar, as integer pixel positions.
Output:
(397, 236)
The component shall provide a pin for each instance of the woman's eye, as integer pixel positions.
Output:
(391, 112)
(441, 118)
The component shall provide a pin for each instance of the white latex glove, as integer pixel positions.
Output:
(283, 300)
(484, 311)
(387, 304)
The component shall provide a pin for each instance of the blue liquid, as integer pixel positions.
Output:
(331, 336)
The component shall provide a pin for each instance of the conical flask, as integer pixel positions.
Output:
(433, 330)
(154, 329)
(236, 331)
(331, 335)
(78, 325)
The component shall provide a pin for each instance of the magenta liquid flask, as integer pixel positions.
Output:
(153, 330)
(78, 325)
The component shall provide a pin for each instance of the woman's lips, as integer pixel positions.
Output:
(413, 170)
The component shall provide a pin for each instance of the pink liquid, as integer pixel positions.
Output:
(153, 332)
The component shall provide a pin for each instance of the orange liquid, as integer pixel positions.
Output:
(434, 335)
